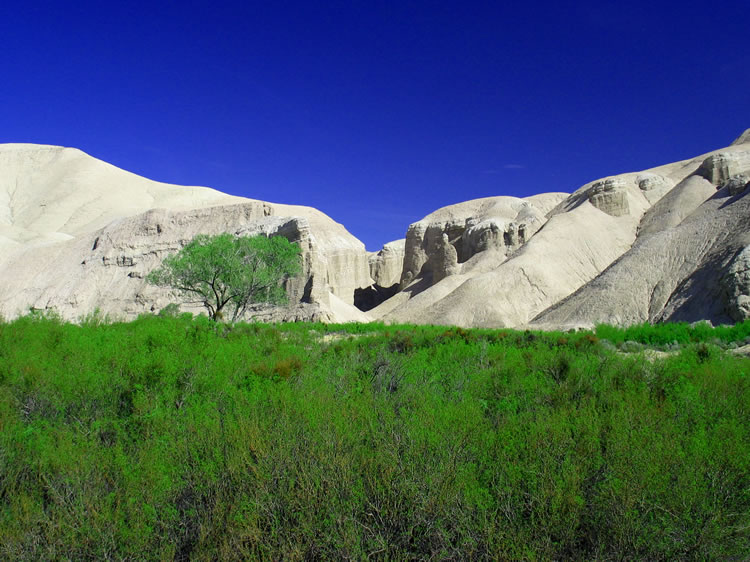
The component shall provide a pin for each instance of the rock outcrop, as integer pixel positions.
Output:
(737, 184)
(679, 203)
(690, 260)
(696, 270)
(79, 234)
(386, 265)
(610, 196)
(596, 229)
(736, 283)
(668, 243)
(385, 271)
(719, 168)
(494, 227)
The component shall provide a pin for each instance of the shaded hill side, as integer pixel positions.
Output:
(682, 273)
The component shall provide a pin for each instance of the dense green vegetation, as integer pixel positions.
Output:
(676, 333)
(181, 438)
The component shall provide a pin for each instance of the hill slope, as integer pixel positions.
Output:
(77, 234)
(668, 243)
(605, 222)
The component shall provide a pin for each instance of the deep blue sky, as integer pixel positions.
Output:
(377, 113)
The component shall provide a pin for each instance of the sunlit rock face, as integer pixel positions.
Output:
(668, 243)
(689, 261)
(496, 233)
(77, 234)
(721, 167)
(387, 264)
(444, 258)
(659, 244)
(654, 186)
(610, 196)
(497, 225)
(123, 253)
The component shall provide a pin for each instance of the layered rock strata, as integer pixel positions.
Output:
(387, 264)
(444, 241)
(79, 234)
(668, 243)
(593, 229)
(690, 260)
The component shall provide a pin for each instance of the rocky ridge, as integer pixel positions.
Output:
(668, 243)
(78, 234)
(690, 260)
(582, 236)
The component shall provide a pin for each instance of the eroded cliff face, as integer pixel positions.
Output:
(123, 253)
(722, 166)
(558, 271)
(448, 241)
(690, 259)
(669, 243)
(385, 271)
(387, 265)
(736, 283)
(81, 235)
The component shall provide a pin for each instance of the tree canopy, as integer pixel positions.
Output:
(229, 273)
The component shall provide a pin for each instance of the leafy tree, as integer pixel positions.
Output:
(229, 273)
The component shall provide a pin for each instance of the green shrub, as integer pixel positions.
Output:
(172, 437)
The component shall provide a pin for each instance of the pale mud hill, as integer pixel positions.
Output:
(668, 243)
(459, 242)
(690, 261)
(503, 262)
(78, 234)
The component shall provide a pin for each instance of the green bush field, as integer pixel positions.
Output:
(177, 438)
